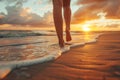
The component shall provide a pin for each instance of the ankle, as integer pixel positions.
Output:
(61, 43)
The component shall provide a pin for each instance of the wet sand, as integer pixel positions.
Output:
(96, 61)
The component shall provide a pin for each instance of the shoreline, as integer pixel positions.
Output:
(6, 67)
(48, 64)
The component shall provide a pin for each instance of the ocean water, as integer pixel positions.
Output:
(17, 50)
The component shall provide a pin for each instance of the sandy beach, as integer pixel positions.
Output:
(95, 61)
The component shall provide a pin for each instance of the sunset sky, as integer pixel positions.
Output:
(93, 14)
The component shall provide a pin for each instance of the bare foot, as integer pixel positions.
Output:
(68, 35)
(61, 44)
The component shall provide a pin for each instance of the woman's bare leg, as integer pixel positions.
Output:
(67, 16)
(57, 13)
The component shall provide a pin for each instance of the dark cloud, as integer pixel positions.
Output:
(91, 8)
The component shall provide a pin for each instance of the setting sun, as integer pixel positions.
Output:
(86, 28)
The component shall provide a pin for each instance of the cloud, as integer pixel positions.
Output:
(91, 8)
(17, 15)
(14, 1)
(89, 1)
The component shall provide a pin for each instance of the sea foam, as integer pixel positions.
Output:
(7, 66)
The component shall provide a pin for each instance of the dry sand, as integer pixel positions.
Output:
(96, 61)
